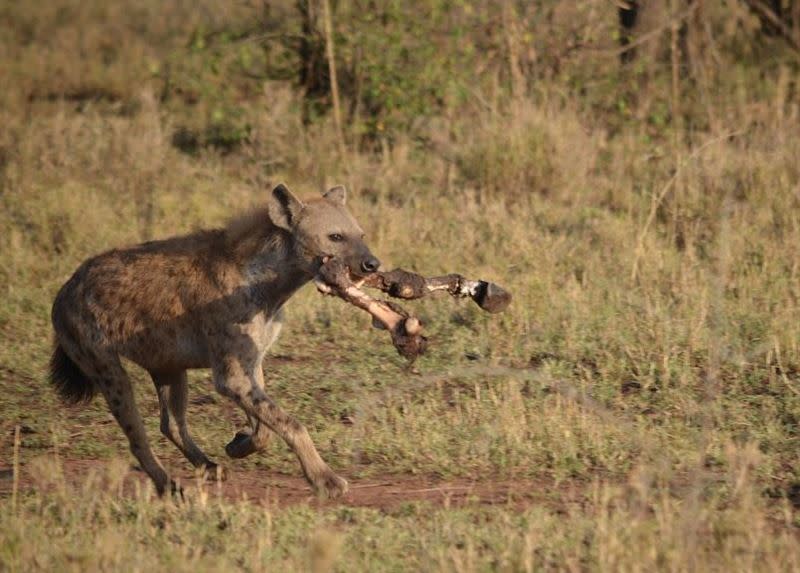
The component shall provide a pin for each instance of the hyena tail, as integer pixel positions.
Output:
(68, 380)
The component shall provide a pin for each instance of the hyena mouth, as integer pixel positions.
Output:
(343, 271)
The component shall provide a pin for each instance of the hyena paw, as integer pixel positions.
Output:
(175, 490)
(330, 486)
(214, 472)
(241, 446)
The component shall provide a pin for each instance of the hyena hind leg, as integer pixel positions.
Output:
(173, 393)
(113, 382)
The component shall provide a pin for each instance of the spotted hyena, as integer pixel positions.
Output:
(211, 299)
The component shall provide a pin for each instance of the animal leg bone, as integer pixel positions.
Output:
(333, 278)
(407, 285)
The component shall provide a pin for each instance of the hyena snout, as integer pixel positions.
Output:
(370, 264)
(361, 261)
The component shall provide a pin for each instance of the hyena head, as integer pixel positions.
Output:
(322, 228)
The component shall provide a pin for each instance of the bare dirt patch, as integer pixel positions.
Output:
(383, 492)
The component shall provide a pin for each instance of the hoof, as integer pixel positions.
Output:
(241, 446)
(330, 486)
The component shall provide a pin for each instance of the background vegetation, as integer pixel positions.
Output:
(630, 170)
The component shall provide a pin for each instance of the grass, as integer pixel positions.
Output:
(647, 374)
(612, 529)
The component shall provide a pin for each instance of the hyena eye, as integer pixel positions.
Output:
(336, 237)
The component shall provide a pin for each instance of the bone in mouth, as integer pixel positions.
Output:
(333, 278)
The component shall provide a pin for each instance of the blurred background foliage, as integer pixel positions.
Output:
(404, 67)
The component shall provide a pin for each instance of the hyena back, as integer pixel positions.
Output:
(211, 299)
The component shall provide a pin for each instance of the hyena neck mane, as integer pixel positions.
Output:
(264, 252)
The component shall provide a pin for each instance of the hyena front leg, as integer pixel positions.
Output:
(245, 385)
(256, 438)
(250, 441)
(173, 392)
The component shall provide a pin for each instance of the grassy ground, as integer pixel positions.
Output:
(646, 376)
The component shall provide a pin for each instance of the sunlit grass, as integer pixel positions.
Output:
(648, 367)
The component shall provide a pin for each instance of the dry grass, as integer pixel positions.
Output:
(636, 526)
(651, 354)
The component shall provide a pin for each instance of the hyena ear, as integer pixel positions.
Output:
(336, 194)
(284, 208)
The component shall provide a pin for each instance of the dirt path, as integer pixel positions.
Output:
(384, 492)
